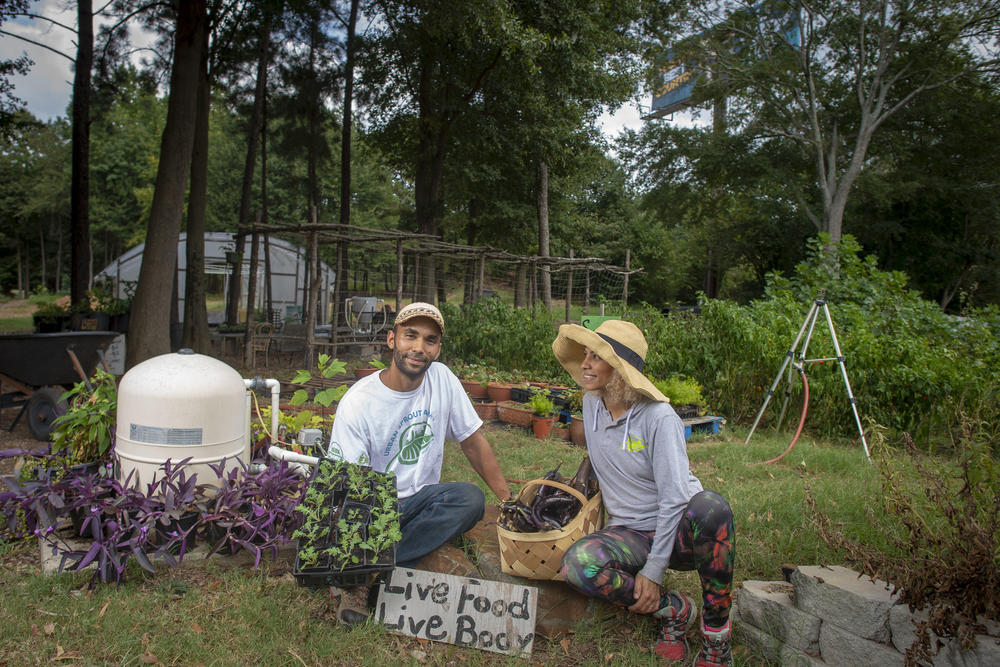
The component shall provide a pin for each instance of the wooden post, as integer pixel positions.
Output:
(337, 296)
(482, 275)
(586, 292)
(251, 295)
(416, 275)
(313, 269)
(534, 286)
(399, 274)
(569, 287)
(628, 256)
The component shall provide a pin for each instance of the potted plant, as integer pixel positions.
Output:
(350, 525)
(86, 431)
(50, 318)
(498, 389)
(543, 413)
(473, 378)
(487, 410)
(104, 301)
(684, 394)
(375, 365)
(574, 406)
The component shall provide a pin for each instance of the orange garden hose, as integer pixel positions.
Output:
(802, 419)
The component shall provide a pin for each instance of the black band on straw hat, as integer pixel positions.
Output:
(626, 353)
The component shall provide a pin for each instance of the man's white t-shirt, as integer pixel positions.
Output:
(403, 432)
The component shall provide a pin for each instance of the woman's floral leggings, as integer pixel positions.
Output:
(603, 564)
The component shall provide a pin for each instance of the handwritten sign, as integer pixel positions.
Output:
(115, 355)
(477, 613)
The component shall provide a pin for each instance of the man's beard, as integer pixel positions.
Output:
(399, 359)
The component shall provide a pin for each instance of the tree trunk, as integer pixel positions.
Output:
(41, 254)
(249, 164)
(269, 294)
(345, 130)
(150, 322)
(248, 333)
(315, 131)
(542, 204)
(195, 309)
(80, 269)
(432, 138)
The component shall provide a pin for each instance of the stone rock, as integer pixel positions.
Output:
(949, 651)
(448, 559)
(843, 647)
(986, 653)
(839, 596)
(767, 645)
(770, 606)
(901, 626)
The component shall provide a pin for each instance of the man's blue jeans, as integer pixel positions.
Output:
(434, 515)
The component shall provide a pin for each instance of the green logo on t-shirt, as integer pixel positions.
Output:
(412, 441)
(634, 444)
(335, 452)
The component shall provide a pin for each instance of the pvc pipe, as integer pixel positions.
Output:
(298, 462)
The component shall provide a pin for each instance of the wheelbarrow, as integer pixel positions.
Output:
(37, 369)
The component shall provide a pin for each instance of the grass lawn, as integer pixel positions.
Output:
(222, 612)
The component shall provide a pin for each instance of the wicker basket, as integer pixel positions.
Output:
(539, 555)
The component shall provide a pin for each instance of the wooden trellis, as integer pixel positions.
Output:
(420, 246)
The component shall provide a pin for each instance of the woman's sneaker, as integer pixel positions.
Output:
(715, 649)
(676, 614)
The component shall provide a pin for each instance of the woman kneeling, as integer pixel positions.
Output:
(658, 515)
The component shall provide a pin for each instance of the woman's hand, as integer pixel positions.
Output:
(647, 595)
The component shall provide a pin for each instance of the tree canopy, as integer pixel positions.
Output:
(477, 123)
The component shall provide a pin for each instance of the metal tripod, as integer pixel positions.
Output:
(807, 328)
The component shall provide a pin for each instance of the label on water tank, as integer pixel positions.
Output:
(158, 435)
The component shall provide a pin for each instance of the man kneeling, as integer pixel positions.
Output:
(397, 421)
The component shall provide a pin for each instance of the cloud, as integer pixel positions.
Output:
(48, 86)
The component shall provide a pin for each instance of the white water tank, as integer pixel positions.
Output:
(181, 405)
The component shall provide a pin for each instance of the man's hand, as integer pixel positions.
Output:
(647, 595)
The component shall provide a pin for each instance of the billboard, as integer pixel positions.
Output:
(677, 78)
(676, 84)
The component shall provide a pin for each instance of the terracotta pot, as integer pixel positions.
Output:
(475, 389)
(498, 391)
(486, 411)
(562, 433)
(577, 433)
(511, 412)
(542, 426)
(363, 372)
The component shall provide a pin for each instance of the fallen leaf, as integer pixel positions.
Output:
(150, 659)
(643, 649)
(196, 628)
(422, 641)
(565, 643)
(627, 630)
(608, 657)
(419, 656)
(100, 614)
(59, 650)
(49, 628)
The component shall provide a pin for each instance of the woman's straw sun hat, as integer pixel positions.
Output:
(617, 342)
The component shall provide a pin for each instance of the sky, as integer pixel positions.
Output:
(49, 84)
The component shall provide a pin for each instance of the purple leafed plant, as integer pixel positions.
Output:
(253, 511)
